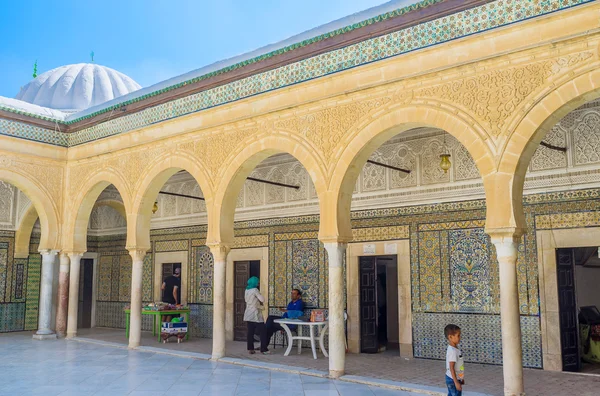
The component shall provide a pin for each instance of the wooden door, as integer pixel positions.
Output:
(368, 305)
(242, 274)
(87, 268)
(567, 305)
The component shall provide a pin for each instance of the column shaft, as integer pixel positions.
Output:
(220, 262)
(135, 324)
(73, 309)
(63, 296)
(45, 308)
(512, 360)
(337, 344)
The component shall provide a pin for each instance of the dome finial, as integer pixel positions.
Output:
(35, 69)
(92, 55)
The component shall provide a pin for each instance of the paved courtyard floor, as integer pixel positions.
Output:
(481, 378)
(63, 367)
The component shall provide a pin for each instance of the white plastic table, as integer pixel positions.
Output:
(322, 326)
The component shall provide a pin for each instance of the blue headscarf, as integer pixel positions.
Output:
(252, 283)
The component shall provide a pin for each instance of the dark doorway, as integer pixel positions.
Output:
(86, 284)
(578, 277)
(243, 270)
(378, 303)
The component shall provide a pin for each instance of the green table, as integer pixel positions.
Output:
(156, 326)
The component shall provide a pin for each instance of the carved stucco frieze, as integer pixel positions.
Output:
(214, 148)
(47, 175)
(326, 128)
(133, 165)
(494, 97)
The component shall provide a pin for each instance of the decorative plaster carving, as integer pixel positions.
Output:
(325, 128)
(495, 96)
(586, 135)
(431, 171)
(46, 174)
(214, 148)
(105, 217)
(7, 201)
(545, 158)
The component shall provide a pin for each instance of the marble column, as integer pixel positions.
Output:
(219, 253)
(45, 308)
(72, 320)
(512, 360)
(135, 323)
(63, 296)
(337, 334)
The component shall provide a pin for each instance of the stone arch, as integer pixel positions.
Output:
(151, 182)
(23, 234)
(369, 136)
(528, 131)
(83, 204)
(43, 203)
(242, 163)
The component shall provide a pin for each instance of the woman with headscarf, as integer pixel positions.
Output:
(254, 318)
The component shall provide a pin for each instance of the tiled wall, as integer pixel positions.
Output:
(19, 286)
(454, 271)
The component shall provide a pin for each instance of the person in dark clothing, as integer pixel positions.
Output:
(295, 305)
(171, 289)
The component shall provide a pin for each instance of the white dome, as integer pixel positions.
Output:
(76, 87)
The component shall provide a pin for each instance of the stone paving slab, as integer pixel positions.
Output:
(481, 378)
(61, 367)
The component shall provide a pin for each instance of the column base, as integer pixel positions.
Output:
(43, 337)
(406, 351)
(71, 335)
(336, 373)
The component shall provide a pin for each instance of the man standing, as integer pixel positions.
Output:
(171, 289)
(295, 305)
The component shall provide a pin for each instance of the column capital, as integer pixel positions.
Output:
(335, 253)
(48, 252)
(219, 250)
(505, 234)
(72, 254)
(137, 253)
(335, 239)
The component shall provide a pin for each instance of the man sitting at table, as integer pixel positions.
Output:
(295, 305)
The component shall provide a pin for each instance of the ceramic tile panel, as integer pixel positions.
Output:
(19, 279)
(147, 279)
(125, 265)
(470, 270)
(112, 314)
(201, 319)
(171, 246)
(34, 276)
(12, 317)
(4, 271)
(481, 337)
(201, 275)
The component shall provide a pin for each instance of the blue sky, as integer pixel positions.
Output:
(149, 40)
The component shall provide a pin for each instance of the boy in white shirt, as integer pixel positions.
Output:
(455, 366)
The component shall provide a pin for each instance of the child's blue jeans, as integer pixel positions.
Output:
(452, 391)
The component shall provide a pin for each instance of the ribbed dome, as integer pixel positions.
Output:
(77, 87)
